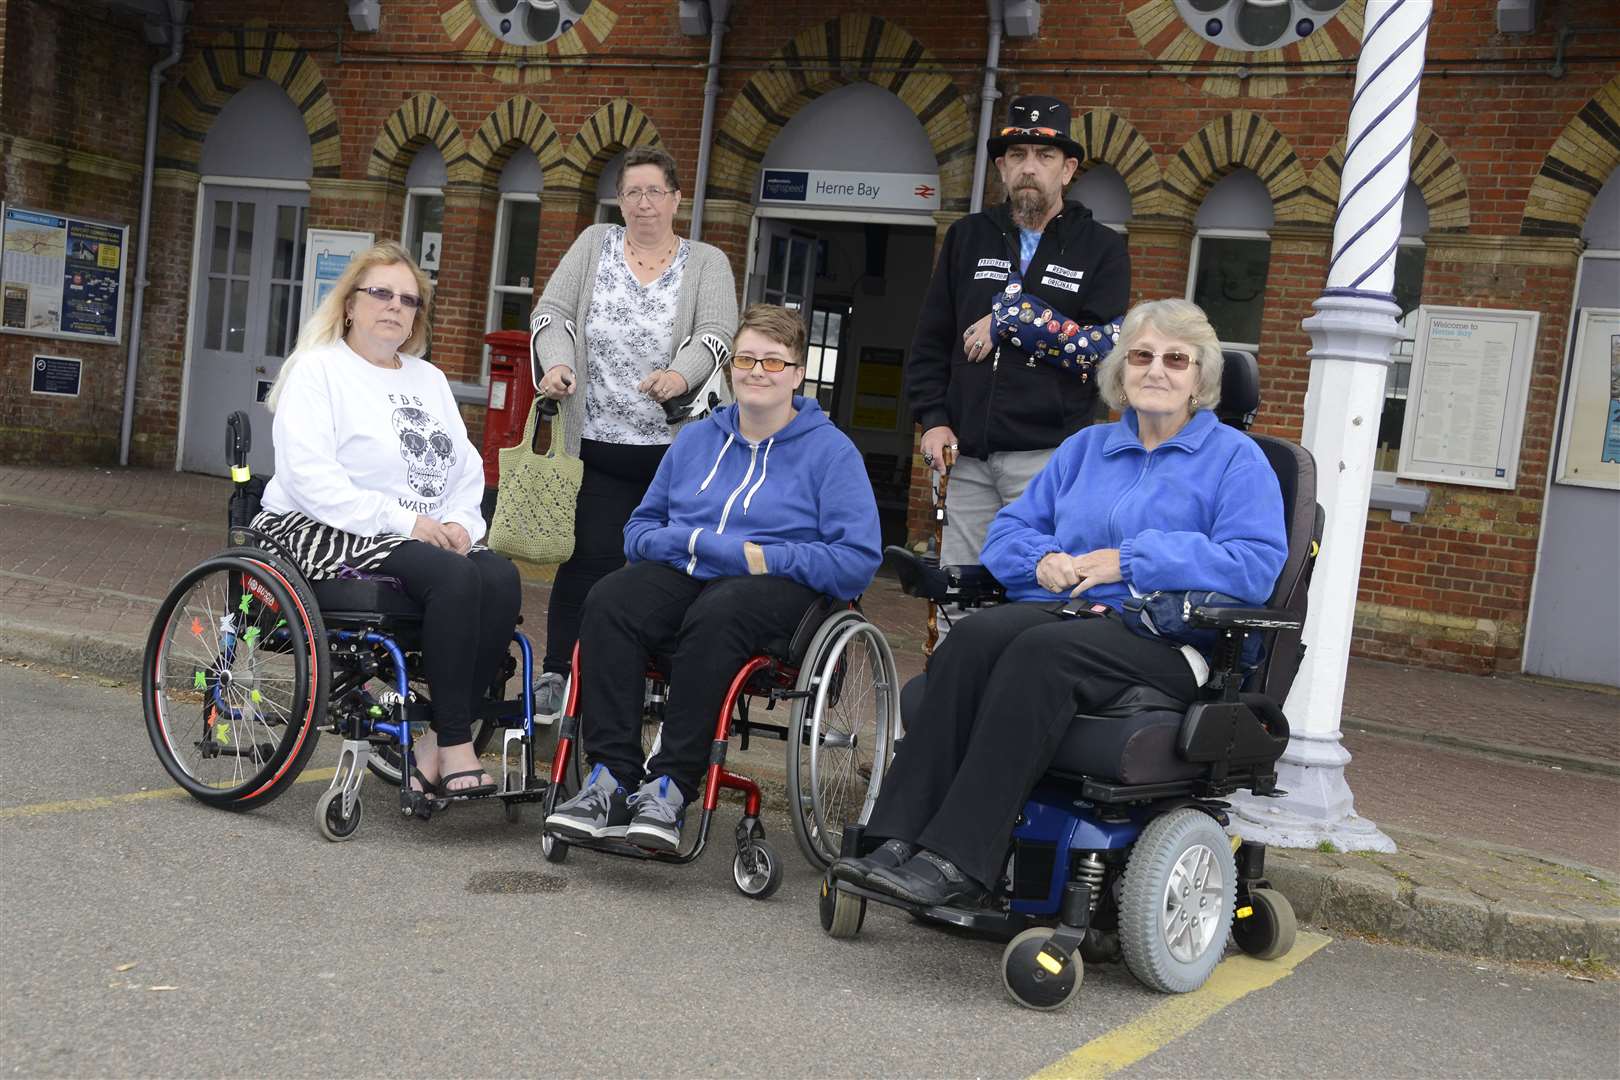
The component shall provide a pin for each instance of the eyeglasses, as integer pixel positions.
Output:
(1173, 361)
(386, 296)
(1050, 133)
(772, 364)
(636, 194)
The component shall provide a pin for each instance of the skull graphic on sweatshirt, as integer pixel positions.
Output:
(428, 452)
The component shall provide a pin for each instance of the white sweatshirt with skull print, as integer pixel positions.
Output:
(365, 449)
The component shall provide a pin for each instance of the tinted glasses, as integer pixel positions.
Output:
(1050, 133)
(772, 364)
(386, 296)
(1173, 361)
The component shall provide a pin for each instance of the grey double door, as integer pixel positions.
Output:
(250, 294)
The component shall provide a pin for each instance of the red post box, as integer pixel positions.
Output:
(511, 392)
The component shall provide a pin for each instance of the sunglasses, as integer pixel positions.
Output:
(1050, 133)
(772, 364)
(1173, 361)
(386, 296)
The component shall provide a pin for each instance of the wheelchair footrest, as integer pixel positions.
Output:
(991, 922)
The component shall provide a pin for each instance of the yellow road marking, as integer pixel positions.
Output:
(1236, 977)
(102, 802)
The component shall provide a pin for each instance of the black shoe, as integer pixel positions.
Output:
(929, 880)
(889, 855)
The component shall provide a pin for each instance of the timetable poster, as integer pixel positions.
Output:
(61, 276)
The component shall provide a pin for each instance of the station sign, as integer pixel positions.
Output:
(854, 190)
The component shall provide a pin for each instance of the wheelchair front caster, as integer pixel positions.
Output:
(757, 870)
(329, 814)
(841, 913)
(554, 850)
(1267, 930)
(513, 811)
(1034, 977)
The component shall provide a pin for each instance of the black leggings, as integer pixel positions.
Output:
(1000, 694)
(708, 629)
(616, 480)
(470, 608)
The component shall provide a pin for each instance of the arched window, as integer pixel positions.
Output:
(1231, 256)
(1104, 193)
(607, 191)
(517, 231)
(1409, 259)
(422, 232)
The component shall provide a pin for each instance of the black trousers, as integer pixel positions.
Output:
(470, 608)
(1000, 695)
(616, 479)
(708, 629)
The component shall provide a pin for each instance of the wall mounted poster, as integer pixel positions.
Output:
(329, 254)
(1466, 398)
(1589, 446)
(878, 386)
(61, 276)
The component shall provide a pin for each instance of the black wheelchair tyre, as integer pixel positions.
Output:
(842, 913)
(329, 813)
(257, 648)
(1031, 982)
(1269, 928)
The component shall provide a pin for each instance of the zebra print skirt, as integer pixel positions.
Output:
(323, 552)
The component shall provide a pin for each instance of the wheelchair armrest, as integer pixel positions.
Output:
(920, 576)
(1244, 618)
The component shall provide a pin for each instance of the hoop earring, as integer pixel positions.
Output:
(1193, 401)
(348, 322)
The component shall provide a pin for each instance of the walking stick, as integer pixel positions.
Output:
(939, 482)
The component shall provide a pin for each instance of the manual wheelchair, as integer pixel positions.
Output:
(247, 663)
(1123, 840)
(837, 675)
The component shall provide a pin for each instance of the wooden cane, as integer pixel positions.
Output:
(941, 482)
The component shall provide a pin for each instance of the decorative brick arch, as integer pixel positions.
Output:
(1241, 140)
(1109, 139)
(516, 122)
(1434, 171)
(1576, 168)
(617, 125)
(420, 119)
(222, 67)
(851, 48)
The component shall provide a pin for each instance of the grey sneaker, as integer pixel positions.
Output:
(550, 696)
(659, 808)
(601, 809)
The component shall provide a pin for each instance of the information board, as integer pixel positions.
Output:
(1466, 398)
(1589, 443)
(61, 276)
(328, 252)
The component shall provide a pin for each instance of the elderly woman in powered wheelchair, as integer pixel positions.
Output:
(358, 576)
(758, 532)
(1068, 759)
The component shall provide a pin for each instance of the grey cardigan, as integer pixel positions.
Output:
(705, 320)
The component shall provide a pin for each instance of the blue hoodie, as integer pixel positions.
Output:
(802, 495)
(1202, 510)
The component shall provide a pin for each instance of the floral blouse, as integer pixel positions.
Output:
(629, 334)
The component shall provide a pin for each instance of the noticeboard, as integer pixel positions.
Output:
(327, 255)
(1589, 443)
(61, 276)
(1466, 398)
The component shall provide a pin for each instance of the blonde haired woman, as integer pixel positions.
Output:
(375, 473)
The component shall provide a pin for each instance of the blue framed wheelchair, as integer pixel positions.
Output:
(1123, 843)
(247, 664)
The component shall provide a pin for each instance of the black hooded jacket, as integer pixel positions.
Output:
(1012, 402)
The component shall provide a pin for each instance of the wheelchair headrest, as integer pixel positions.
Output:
(1240, 388)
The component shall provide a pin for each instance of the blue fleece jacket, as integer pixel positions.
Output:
(1200, 511)
(802, 495)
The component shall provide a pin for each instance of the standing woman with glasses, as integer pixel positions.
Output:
(633, 317)
(757, 510)
(1166, 498)
(375, 473)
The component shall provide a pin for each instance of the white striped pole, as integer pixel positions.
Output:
(1352, 333)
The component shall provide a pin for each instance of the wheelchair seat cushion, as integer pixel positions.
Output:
(363, 596)
(1135, 749)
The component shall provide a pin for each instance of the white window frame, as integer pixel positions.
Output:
(1401, 354)
(411, 195)
(496, 264)
(1197, 253)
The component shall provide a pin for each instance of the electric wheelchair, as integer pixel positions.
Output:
(1123, 841)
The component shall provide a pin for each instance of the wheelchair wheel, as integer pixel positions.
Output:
(842, 913)
(234, 679)
(1268, 929)
(329, 814)
(1175, 908)
(384, 761)
(1035, 979)
(761, 879)
(554, 849)
(842, 735)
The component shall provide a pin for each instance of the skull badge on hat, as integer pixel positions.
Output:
(1034, 118)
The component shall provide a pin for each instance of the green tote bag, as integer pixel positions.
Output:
(534, 513)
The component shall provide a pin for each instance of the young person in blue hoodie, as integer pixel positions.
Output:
(754, 513)
(1166, 498)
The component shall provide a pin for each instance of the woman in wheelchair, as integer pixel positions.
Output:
(1166, 498)
(754, 513)
(375, 474)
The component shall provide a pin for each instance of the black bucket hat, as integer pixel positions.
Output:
(1035, 119)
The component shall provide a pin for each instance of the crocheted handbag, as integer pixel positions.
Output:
(534, 513)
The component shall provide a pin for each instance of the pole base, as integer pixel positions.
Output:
(1318, 807)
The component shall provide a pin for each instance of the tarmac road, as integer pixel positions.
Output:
(249, 945)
